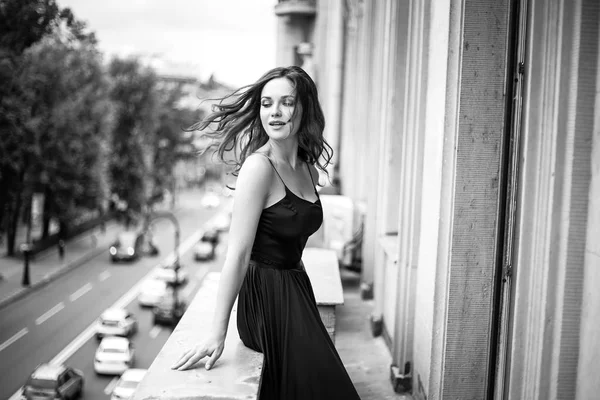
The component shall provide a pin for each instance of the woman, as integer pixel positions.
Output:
(277, 125)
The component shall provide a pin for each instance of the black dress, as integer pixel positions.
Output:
(277, 312)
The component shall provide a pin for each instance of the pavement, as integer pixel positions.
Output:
(48, 265)
(366, 358)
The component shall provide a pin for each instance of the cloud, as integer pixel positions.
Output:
(232, 39)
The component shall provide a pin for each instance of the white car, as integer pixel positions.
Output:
(210, 200)
(222, 221)
(116, 322)
(151, 292)
(127, 384)
(168, 275)
(114, 356)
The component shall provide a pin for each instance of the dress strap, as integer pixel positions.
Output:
(275, 169)
(311, 179)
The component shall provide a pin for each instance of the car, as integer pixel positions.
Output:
(151, 292)
(128, 383)
(210, 200)
(49, 381)
(126, 247)
(204, 251)
(114, 356)
(170, 275)
(116, 322)
(168, 311)
(210, 235)
(222, 221)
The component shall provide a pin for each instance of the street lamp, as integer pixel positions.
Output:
(25, 249)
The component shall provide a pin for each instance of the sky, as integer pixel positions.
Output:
(232, 39)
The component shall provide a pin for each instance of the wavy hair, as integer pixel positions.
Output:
(236, 124)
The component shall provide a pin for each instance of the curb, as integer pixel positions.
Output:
(52, 276)
(59, 272)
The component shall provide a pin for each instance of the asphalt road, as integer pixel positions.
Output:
(47, 321)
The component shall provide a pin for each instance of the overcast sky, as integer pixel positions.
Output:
(234, 39)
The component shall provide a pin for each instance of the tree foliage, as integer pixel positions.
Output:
(23, 23)
(75, 129)
(136, 102)
(70, 120)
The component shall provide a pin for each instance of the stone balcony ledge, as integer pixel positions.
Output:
(237, 373)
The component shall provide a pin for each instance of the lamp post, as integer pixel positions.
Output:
(26, 247)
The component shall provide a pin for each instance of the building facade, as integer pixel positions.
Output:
(470, 133)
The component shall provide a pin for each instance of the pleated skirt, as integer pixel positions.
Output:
(278, 316)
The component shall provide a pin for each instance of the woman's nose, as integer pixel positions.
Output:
(276, 110)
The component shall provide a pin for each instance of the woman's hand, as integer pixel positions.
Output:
(212, 348)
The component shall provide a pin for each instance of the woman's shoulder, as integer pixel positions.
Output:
(256, 164)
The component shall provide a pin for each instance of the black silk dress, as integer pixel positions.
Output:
(277, 312)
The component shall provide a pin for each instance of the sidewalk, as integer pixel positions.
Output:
(47, 265)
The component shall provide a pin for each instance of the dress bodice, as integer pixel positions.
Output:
(284, 228)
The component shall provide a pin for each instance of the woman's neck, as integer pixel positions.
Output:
(286, 152)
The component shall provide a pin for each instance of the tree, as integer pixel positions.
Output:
(22, 24)
(173, 143)
(135, 99)
(70, 121)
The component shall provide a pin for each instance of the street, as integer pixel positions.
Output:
(56, 323)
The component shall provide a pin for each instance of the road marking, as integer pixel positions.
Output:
(49, 313)
(81, 291)
(127, 298)
(104, 275)
(14, 338)
(111, 386)
(155, 331)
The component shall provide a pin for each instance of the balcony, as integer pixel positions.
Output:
(296, 8)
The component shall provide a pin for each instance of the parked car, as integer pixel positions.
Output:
(151, 292)
(168, 274)
(168, 311)
(126, 247)
(204, 251)
(116, 322)
(49, 381)
(114, 356)
(128, 383)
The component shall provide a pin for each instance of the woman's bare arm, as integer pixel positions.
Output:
(251, 192)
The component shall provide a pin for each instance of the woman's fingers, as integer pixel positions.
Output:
(192, 359)
(214, 357)
(184, 357)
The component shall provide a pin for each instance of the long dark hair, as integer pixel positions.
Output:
(239, 128)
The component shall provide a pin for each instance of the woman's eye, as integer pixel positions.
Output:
(265, 104)
(289, 104)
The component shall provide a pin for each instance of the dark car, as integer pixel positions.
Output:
(210, 235)
(204, 251)
(168, 312)
(127, 246)
(54, 382)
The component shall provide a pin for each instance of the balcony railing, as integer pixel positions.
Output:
(296, 7)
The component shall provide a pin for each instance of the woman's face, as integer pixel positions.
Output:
(280, 110)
